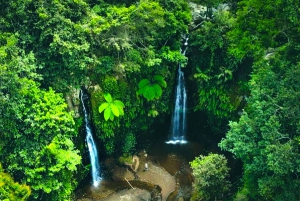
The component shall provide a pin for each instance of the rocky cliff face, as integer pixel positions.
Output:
(198, 14)
(202, 13)
(73, 101)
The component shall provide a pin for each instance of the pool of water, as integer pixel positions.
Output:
(174, 158)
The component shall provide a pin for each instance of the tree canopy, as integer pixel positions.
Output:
(265, 138)
(242, 65)
(48, 48)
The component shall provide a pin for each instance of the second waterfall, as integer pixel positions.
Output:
(178, 122)
(91, 144)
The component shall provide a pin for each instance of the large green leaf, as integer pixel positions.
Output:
(158, 77)
(143, 83)
(121, 111)
(103, 106)
(107, 113)
(161, 83)
(111, 108)
(108, 97)
(115, 110)
(160, 80)
(151, 90)
(140, 91)
(119, 103)
(112, 116)
(149, 93)
(157, 89)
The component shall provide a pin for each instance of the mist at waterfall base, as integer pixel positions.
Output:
(95, 167)
(178, 122)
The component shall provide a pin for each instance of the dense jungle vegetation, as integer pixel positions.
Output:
(242, 68)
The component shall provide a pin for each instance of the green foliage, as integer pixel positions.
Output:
(45, 122)
(242, 195)
(266, 136)
(125, 159)
(268, 24)
(62, 160)
(173, 56)
(61, 47)
(109, 146)
(210, 3)
(11, 190)
(177, 14)
(30, 119)
(105, 127)
(110, 85)
(105, 43)
(151, 89)
(66, 44)
(215, 72)
(130, 142)
(111, 108)
(211, 177)
(106, 65)
(216, 102)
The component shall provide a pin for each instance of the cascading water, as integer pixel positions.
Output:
(178, 123)
(91, 145)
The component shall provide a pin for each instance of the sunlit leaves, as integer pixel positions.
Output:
(159, 80)
(107, 97)
(103, 106)
(107, 114)
(143, 83)
(61, 159)
(112, 108)
(39, 117)
(151, 89)
(11, 190)
(211, 176)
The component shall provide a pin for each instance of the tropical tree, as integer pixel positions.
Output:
(43, 154)
(266, 137)
(211, 177)
(11, 190)
(32, 119)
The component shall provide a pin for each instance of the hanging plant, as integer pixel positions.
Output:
(112, 108)
(151, 89)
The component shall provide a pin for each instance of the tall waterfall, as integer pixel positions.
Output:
(178, 123)
(91, 145)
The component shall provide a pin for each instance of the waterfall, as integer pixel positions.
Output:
(91, 145)
(178, 122)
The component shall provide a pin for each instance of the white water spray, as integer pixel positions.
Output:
(92, 146)
(178, 123)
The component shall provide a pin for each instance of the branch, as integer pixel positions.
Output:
(129, 184)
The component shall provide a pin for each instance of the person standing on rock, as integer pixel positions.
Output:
(146, 167)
